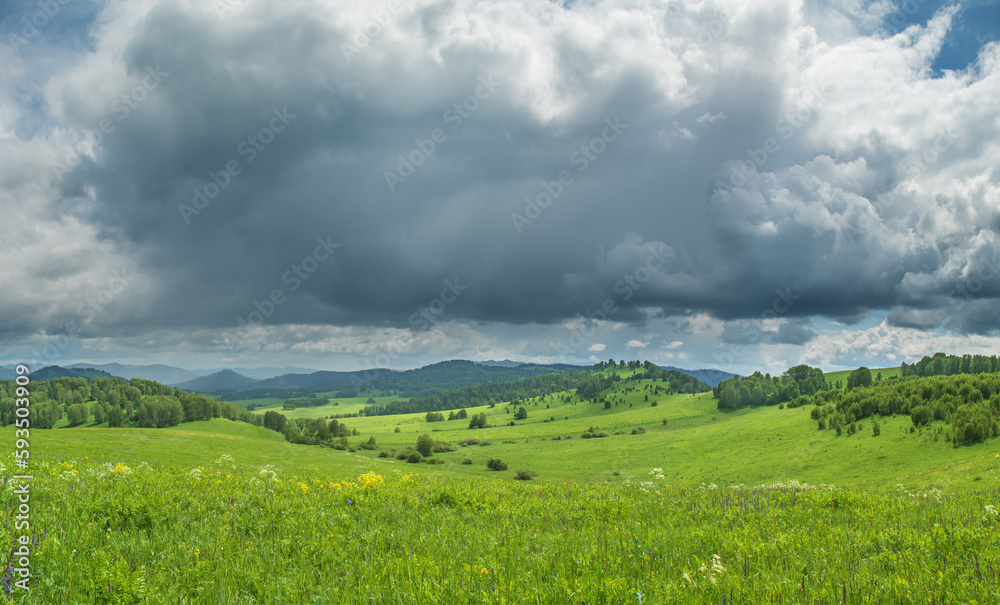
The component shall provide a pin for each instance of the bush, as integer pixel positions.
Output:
(434, 461)
(396, 430)
(414, 457)
(383, 454)
(443, 446)
(402, 456)
(638, 431)
(495, 464)
(524, 475)
(425, 445)
(469, 441)
(467, 461)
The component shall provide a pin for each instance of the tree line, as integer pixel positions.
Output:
(764, 389)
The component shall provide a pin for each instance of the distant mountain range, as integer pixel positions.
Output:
(506, 363)
(158, 372)
(260, 373)
(445, 375)
(711, 377)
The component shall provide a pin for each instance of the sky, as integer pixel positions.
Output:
(340, 185)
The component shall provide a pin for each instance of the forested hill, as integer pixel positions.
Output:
(588, 384)
(453, 375)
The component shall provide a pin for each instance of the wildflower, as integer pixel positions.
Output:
(483, 571)
(225, 458)
(303, 487)
(121, 470)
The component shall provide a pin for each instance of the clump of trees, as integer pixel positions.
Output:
(478, 421)
(969, 403)
(764, 389)
(495, 464)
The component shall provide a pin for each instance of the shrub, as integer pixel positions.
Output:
(638, 431)
(402, 456)
(467, 461)
(414, 457)
(524, 475)
(396, 430)
(434, 461)
(425, 445)
(920, 415)
(383, 454)
(468, 441)
(495, 464)
(443, 446)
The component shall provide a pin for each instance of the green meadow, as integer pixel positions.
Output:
(678, 502)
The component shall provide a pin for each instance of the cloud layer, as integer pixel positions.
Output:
(491, 173)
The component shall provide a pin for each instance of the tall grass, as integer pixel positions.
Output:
(229, 532)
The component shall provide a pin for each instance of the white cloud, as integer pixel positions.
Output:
(636, 344)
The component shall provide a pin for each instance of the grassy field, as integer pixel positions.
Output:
(343, 405)
(202, 520)
(701, 506)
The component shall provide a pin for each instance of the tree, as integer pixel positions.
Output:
(728, 398)
(862, 377)
(78, 413)
(160, 411)
(478, 421)
(275, 421)
(425, 445)
(495, 464)
(520, 414)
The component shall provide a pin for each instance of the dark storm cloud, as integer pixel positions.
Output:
(702, 177)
